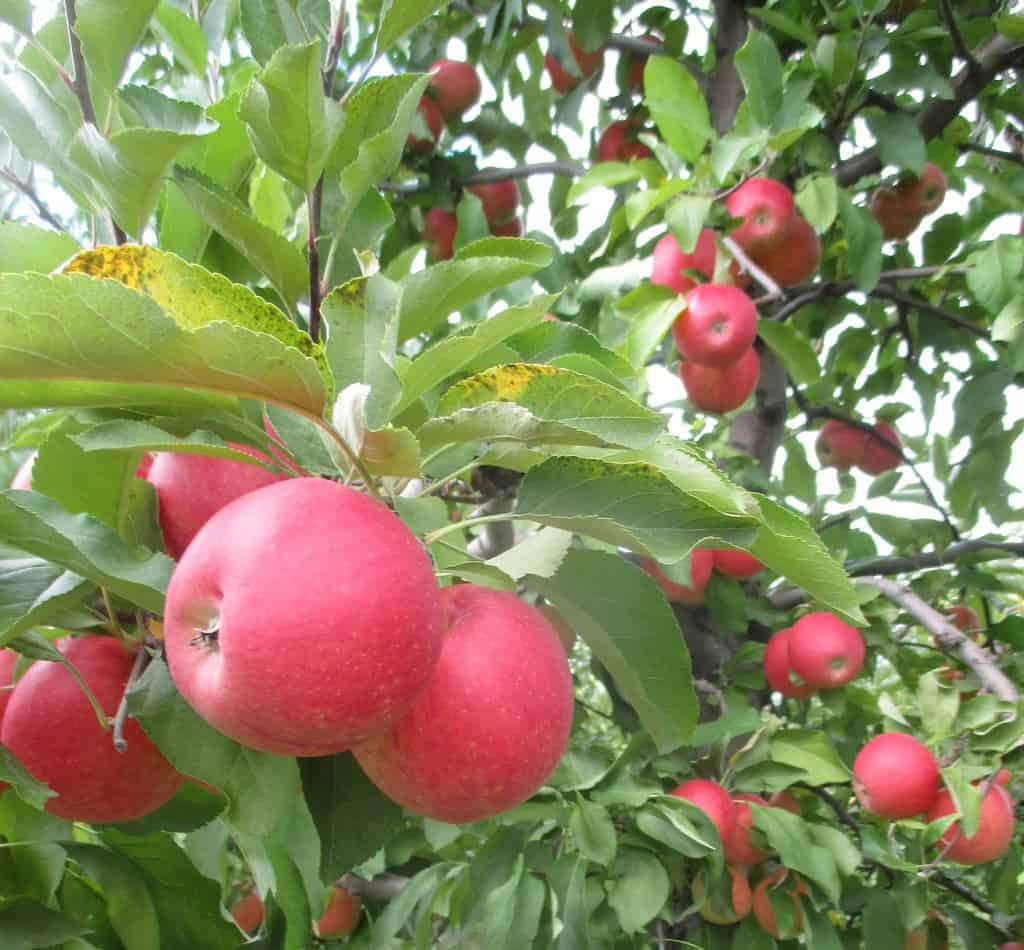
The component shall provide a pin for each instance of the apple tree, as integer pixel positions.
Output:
(501, 474)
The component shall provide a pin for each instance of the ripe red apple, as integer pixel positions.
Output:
(824, 651)
(635, 64)
(512, 228)
(923, 195)
(964, 617)
(713, 800)
(896, 776)
(736, 563)
(777, 669)
(342, 914)
(796, 257)
(51, 728)
(498, 198)
(1003, 777)
(588, 63)
(840, 445)
(303, 618)
(767, 209)
(456, 86)
(192, 488)
(785, 800)
(670, 264)
(995, 828)
(439, 227)
(618, 143)
(878, 456)
(721, 388)
(249, 912)
(493, 721)
(740, 898)
(433, 121)
(8, 658)
(738, 847)
(765, 913)
(891, 210)
(717, 327)
(700, 574)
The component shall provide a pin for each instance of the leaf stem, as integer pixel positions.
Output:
(141, 662)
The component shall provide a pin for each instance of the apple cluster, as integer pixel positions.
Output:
(895, 776)
(819, 651)
(303, 618)
(703, 561)
(900, 208)
(873, 449)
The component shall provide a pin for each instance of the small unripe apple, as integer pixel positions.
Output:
(721, 388)
(717, 327)
(767, 209)
(342, 915)
(700, 574)
(739, 849)
(713, 800)
(892, 211)
(896, 776)
(50, 726)
(618, 143)
(765, 913)
(456, 86)
(796, 257)
(512, 228)
(740, 898)
(824, 651)
(494, 720)
(588, 63)
(499, 199)
(779, 672)
(995, 828)
(840, 445)
(303, 618)
(878, 456)
(191, 489)
(429, 113)
(739, 564)
(670, 264)
(249, 912)
(923, 195)
(439, 228)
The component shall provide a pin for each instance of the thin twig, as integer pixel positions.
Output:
(959, 46)
(763, 278)
(919, 303)
(840, 811)
(962, 890)
(314, 203)
(141, 660)
(489, 175)
(384, 887)
(1015, 157)
(836, 124)
(916, 562)
(25, 187)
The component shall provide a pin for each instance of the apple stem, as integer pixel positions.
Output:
(433, 536)
(765, 280)
(141, 661)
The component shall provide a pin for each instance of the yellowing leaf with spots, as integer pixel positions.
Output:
(539, 404)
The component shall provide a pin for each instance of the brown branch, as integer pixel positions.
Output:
(725, 91)
(959, 46)
(919, 303)
(487, 175)
(25, 188)
(384, 887)
(950, 638)
(840, 811)
(962, 890)
(992, 152)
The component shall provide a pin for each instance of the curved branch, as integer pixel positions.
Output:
(487, 175)
(384, 887)
(916, 562)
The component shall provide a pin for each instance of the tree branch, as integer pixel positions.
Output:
(384, 887)
(962, 890)
(487, 175)
(952, 554)
(959, 46)
(725, 91)
(992, 152)
(764, 279)
(26, 189)
(950, 638)
(918, 303)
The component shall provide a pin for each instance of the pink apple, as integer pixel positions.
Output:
(717, 327)
(993, 836)
(493, 721)
(8, 658)
(248, 912)
(721, 389)
(430, 115)
(456, 86)
(841, 445)
(341, 916)
(896, 776)
(923, 195)
(795, 259)
(670, 264)
(51, 728)
(767, 209)
(700, 574)
(779, 672)
(894, 213)
(588, 63)
(739, 849)
(713, 800)
(618, 142)
(303, 618)
(439, 227)
(512, 228)
(498, 198)
(878, 456)
(824, 651)
(739, 564)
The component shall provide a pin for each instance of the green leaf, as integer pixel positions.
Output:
(817, 197)
(29, 788)
(847, 855)
(793, 349)
(292, 124)
(184, 35)
(938, 705)
(593, 831)
(685, 218)
(110, 30)
(900, 141)
(677, 106)
(647, 329)
(680, 825)
(258, 786)
(28, 926)
(639, 887)
(996, 270)
(264, 248)
(788, 835)
(17, 14)
(811, 751)
(38, 525)
(398, 17)
(883, 925)
(1009, 324)
(760, 69)
(269, 25)
(535, 403)
(1011, 25)
(429, 296)
(602, 175)
(353, 818)
(618, 609)
(571, 873)
(788, 545)
(25, 247)
(540, 554)
(864, 243)
(33, 591)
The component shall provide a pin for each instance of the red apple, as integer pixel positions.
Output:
(493, 721)
(303, 618)
(635, 64)
(52, 729)
(713, 800)
(767, 209)
(717, 327)
(587, 63)
(721, 389)
(670, 264)
(765, 913)
(432, 120)
(439, 227)
(878, 456)
(777, 669)
(923, 195)
(933, 934)
(740, 898)
(618, 143)
(738, 847)
(8, 658)
(455, 85)
(824, 651)
(995, 828)
(785, 800)
(891, 210)
(841, 445)
(1003, 777)
(736, 563)
(895, 776)
(700, 574)
(248, 912)
(498, 198)
(342, 914)
(795, 259)
(192, 488)
(964, 617)
(512, 228)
